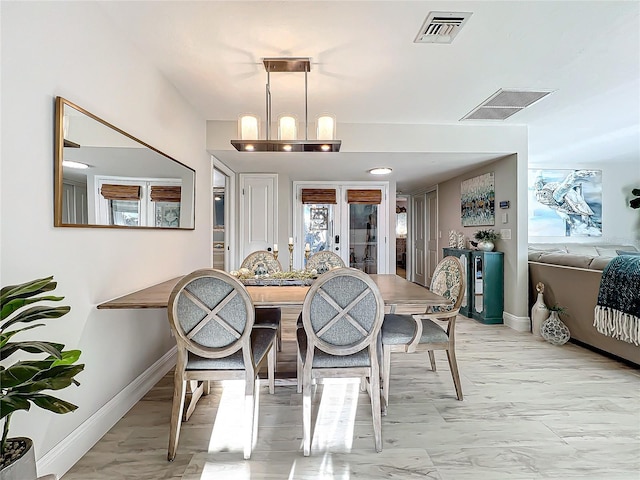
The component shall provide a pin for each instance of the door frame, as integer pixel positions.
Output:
(342, 214)
(230, 199)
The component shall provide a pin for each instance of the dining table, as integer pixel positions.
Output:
(396, 291)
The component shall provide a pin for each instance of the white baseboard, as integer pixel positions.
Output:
(521, 324)
(65, 454)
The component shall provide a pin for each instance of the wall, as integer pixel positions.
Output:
(72, 50)
(620, 223)
(506, 188)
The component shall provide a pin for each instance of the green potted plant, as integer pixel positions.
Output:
(23, 382)
(486, 239)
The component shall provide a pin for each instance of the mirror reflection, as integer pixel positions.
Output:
(107, 178)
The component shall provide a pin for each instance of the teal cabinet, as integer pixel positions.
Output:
(465, 258)
(487, 271)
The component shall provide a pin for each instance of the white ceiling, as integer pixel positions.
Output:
(366, 69)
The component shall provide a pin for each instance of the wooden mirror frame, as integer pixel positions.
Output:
(61, 143)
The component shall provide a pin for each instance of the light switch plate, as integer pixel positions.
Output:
(505, 218)
(505, 233)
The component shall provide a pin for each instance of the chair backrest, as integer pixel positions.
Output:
(448, 280)
(324, 261)
(261, 263)
(343, 312)
(211, 313)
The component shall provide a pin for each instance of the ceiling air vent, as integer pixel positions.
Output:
(504, 103)
(441, 27)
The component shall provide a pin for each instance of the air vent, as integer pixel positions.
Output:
(441, 27)
(504, 103)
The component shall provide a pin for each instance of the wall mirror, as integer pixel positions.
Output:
(105, 177)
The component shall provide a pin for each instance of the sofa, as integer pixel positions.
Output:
(571, 274)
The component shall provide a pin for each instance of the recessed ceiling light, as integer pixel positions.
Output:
(287, 148)
(380, 171)
(70, 164)
(325, 148)
(249, 148)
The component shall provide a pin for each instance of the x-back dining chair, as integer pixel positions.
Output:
(211, 315)
(410, 333)
(265, 263)
(341, 316)
(323, 261)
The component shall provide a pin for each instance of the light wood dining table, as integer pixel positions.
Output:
(396, 291)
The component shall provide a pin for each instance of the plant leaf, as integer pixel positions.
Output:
(53, 349)
(60, 371)
(53, 404)
(36, 313)
(68, 357)
(5, 337)
(27, 289)
(16, 375)
(12, 305)
(10, 404)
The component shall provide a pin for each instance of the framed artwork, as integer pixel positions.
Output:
(477, 201)
(565, 203)
(319, 218)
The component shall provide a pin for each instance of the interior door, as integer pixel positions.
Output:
(258, 215)
(431, 220)
(419, 232)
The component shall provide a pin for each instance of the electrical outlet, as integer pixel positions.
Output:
(505, 233)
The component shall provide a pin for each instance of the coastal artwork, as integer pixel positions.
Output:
(477, 197)
(565, 203)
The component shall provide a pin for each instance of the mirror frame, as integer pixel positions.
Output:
(60, 103)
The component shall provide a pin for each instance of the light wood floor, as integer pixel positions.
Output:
(531, 410)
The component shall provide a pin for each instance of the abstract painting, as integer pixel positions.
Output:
(565, 203)
(477, 198)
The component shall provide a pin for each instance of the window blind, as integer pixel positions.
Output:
(319, 195)
(366, 197)
(165, 193)
(120, 192)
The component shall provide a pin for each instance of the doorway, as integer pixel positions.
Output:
(401, 236)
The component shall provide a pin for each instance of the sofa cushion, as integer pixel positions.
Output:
(567, 259)
(547, 247)
(598, 263)
(580, 249)
(627, 252)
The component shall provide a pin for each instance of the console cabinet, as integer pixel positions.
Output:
(485, 284)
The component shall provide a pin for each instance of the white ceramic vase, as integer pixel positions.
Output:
(554, 331)
(539, 312)
(486, 246)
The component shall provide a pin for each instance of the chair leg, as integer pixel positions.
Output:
(375, 409)
(279, 336)
(249, 410)
(299, 372)
(453, 366)
(207, 387)
(179, 392)
(271, 368)
(386, 367)
(306, 414)
(363, 384)
(432, 359)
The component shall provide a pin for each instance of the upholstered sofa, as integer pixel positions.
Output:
(571, 274)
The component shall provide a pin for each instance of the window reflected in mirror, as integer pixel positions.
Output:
(108, 178)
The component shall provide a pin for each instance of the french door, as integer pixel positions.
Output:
(348, 219)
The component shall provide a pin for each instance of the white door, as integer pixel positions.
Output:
(431, 221)
(258, 214)
(419, 231)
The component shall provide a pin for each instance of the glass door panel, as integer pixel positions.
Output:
(317, 227)
(363, 237)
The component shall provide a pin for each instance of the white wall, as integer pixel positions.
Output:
(71, 49)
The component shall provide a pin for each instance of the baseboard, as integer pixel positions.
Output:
(65, 454)
(521, 324)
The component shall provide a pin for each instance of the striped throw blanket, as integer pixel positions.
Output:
(617, 313)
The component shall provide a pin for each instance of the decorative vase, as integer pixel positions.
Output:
(539, 312)
(485, 245)
(554, 331)
(452, 239)
(24, 467)
(461, 241)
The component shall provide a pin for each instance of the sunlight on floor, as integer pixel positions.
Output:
(336, 415)
(229, 426)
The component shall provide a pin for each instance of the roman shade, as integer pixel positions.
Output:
(319, 195)
(365, 197)
(120, 192)
(165, 193)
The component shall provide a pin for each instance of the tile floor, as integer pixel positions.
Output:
(531, 411)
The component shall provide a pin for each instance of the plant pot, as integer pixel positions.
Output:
(485, 246)
(554, 330)
(24, 467)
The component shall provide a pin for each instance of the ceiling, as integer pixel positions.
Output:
(365, 68)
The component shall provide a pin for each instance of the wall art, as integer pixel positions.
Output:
(477, 198)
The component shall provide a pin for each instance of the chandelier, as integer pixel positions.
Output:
(249, 125)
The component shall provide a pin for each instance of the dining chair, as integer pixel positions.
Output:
(341, 316)
(323, 261)
(212, 315)
(260, 263)
(411, 333)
